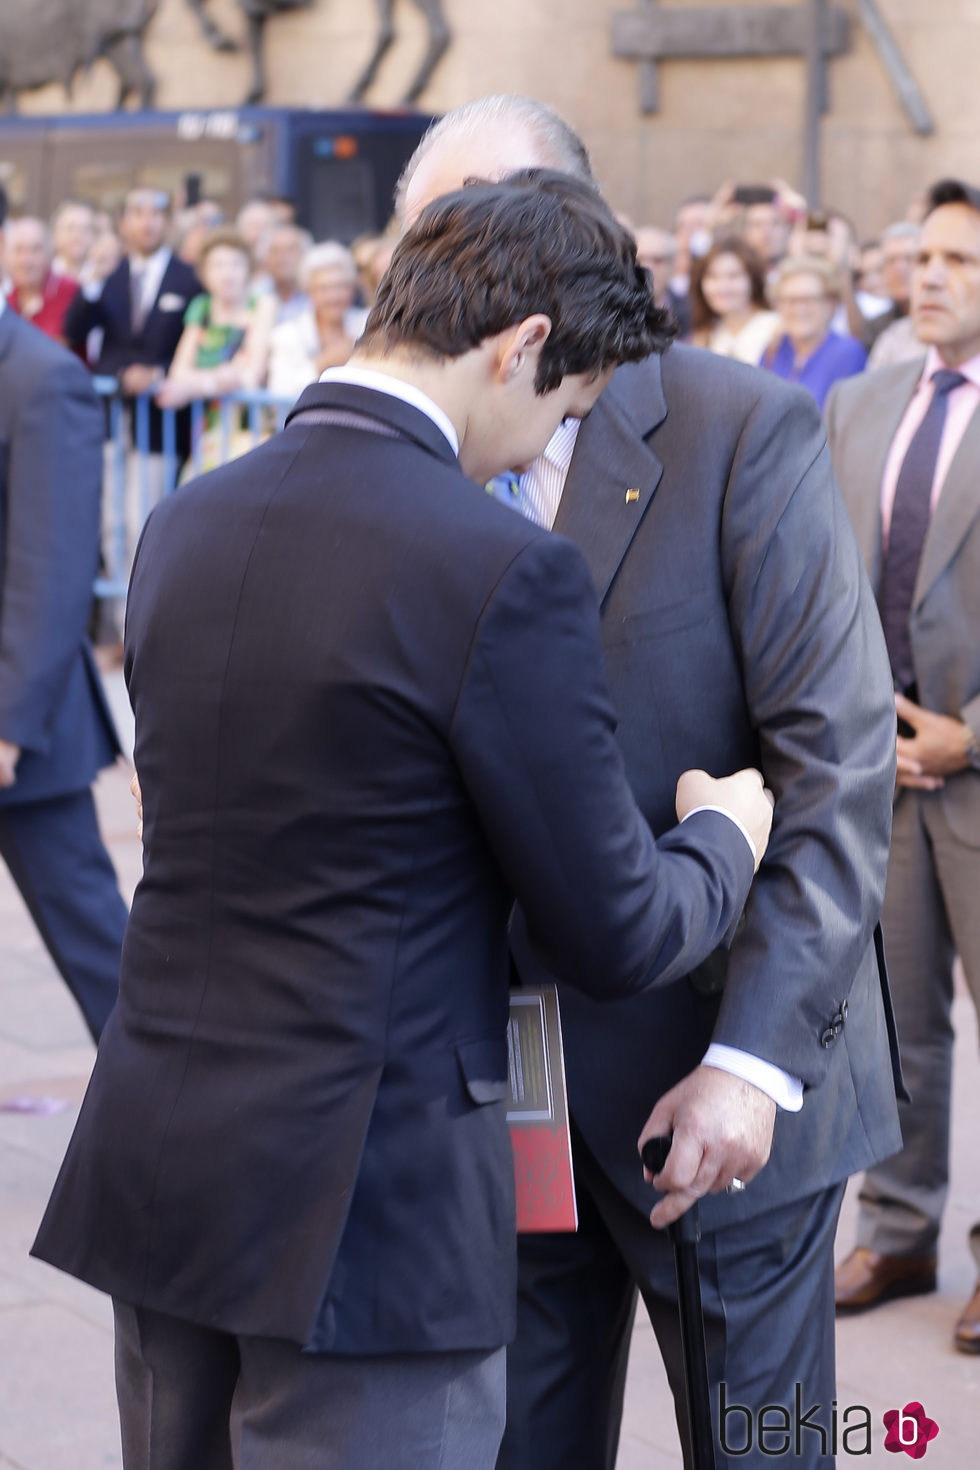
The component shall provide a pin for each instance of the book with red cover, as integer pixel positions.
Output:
(538, 1113)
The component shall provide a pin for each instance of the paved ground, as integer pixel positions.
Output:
(56, 1399)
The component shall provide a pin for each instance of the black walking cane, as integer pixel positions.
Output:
(684, 1236)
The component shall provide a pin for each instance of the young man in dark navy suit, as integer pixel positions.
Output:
(370, 709)
(55, 729)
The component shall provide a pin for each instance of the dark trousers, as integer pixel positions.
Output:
(191, 1398)
(58, 861)
(767, 1289)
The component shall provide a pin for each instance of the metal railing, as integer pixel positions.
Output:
(136, 477)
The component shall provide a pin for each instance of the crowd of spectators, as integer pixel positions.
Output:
(751, 273)
(755, 274)
(266, 306)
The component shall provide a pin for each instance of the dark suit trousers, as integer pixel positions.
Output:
(767, 1289)
(57, 859)
(191, 1398)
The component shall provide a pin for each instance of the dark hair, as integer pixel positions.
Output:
(952, 191)
(483, 258)
(3, 205)
(702, 317)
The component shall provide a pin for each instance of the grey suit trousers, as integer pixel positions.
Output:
(931, 913)
(191, 1398)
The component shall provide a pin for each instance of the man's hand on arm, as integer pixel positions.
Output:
(938, 748)
(9, 756)
(722, 1128)
(743, 796)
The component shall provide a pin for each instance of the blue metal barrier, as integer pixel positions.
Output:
(134, 473)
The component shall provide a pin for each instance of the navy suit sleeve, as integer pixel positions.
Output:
(533, 735)
(81, 317)
(818, 686)
(51, 535)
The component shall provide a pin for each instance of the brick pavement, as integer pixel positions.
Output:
(56, 1398)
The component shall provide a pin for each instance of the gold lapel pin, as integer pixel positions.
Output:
(632, 496)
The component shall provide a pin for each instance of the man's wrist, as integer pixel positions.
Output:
(724, 811)
(785, 1090)
(971, 746)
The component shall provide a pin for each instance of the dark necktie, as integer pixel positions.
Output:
(909, 524)
(136, 313)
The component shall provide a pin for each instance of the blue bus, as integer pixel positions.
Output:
(339, 167)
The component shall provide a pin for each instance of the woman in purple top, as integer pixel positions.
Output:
(806, 351)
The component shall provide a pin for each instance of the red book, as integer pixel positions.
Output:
(538, 1113)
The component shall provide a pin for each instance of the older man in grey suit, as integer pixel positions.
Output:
(906, 449)
(736, 619)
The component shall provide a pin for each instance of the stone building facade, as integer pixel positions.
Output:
(717, 119)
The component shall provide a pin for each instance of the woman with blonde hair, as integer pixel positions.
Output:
(808, 351)
(323, 335)
(225, 342)
(224, 348)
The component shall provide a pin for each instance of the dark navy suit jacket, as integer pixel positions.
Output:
(153, 345)
(370, 707)
(156, 341)
(51, 701)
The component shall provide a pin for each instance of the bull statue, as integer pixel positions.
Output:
(258, 12)
(43, 41)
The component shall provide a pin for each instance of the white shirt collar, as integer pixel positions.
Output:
(933, 364)
(158, 260)
(382, 382)
(561, 446)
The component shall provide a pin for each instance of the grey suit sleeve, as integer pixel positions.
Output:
(51, 537)
(533, 734)
(818, 687)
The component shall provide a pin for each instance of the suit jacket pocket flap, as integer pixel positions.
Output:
(483, 1063)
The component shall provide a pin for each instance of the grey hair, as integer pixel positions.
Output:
(330, 255)
(14, 225)
(902, 229)
(561, 146)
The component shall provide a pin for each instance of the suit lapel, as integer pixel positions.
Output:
(883, 407)
(957, 507)
(614, 474)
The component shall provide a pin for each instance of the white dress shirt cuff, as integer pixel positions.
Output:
(725, 813)
(785, 1090)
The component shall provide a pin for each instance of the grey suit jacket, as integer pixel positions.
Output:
(739, 628)
(863, 415)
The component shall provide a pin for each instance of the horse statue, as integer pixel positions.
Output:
(55, 41)
(258, 12)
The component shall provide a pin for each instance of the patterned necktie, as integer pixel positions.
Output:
(507, 489)
(909, 524)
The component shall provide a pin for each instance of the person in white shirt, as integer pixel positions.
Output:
(323, 335)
